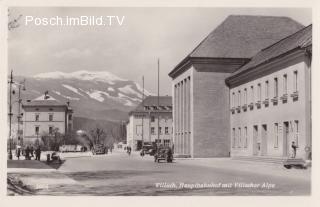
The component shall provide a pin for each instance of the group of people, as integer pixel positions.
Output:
(129, 150)
(28, 152)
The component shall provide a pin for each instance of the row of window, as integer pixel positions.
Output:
(240, 135)
(242, 99)
(155, 108)
(37, 130)
(37, 116)
(50, 117)
(166, 130)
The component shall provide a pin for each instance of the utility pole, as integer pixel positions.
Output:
(10, 116)
(19, 111)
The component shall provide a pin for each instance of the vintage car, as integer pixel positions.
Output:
(163, 153)
(98, 149)
(147, 150)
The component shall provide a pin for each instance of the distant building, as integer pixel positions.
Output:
(200, 95)
(143, 122)
(271, 100)
(43, 115)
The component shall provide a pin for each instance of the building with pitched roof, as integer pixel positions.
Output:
(200, 95)
(143, 122)
(271, 100)
(43, 115)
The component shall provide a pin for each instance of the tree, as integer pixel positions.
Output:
(98, 135)
(52, 141)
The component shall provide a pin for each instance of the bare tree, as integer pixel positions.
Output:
(98, 135)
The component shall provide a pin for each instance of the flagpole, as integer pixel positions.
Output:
(158, 99)
(142, 109)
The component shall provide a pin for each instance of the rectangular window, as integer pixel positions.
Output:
(245, 137)
(36, 130)
(166, 142)
(152, 130)
(276, 135)
(70, 117)
(37, 117)
(276, 87)
(160, 132)
(267, 90)
(166, 130)
(296, 134)
(239, 137)
(239, 98)
(50, 117)
(233, 137)
(245, 96)
(139, 130)
(259, 92)
(152, 118)
(252, 94)
(50, 129)
(295, 81)
(233, 100)
(285, 84)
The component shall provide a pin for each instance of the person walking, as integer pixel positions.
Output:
(18, 151)
(38, 153)
(294, 149)
(31, 151)
(27, 151)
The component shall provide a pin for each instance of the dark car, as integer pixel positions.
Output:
(163, 153)
(147, 150)
(98, 149)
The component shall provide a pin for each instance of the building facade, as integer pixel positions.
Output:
(200, 95)
(143, 123)
(270, 100)
(44, 115)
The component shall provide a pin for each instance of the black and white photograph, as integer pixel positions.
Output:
(158, 101)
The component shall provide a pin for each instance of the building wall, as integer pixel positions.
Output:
(211, 115)
(182, 90)
(29, 122)
(273, 116)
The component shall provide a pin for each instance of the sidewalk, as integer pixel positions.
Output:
(248, 166)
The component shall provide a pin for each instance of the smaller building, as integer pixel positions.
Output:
(146, 118)
(43, 115)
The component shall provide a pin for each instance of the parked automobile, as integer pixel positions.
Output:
(98, 149)
(163, 153)
(147, 150)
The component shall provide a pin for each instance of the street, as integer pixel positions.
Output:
(118, 174)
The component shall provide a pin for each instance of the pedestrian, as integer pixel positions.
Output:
(294, 149)
(38, 153)
(27, 157)
(111, 149)
(31, 151)
(18, 151)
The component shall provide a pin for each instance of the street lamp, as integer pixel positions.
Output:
(22, 84)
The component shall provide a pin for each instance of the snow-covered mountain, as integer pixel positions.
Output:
(97, 95)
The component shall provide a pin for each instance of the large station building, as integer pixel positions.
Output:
(202, 117)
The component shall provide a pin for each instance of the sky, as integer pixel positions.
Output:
(130, 50)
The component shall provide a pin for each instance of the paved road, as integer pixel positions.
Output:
(119, 174)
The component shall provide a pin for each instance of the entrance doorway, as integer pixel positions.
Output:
(256, 142)
(285, 138)
(264, 140)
